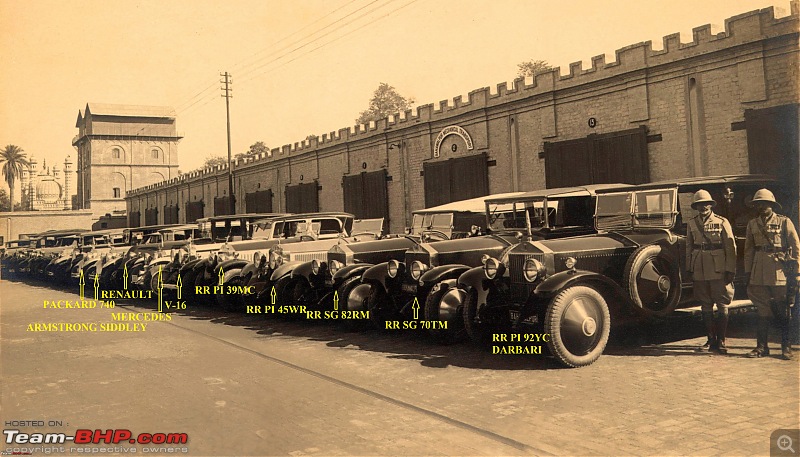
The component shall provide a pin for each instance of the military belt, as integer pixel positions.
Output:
(708, 246)
(769, 249)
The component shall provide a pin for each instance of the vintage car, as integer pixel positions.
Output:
(92, 247)
(141, 241)
(50, 245)
(346, 262)
(634, 265)
(193, 267)
(399, 290)
(253, 264)
(12, 254)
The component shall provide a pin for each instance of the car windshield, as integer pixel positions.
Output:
(373, 226)
(263, 230)
(647, 208)
(230, 229)
(522, 215)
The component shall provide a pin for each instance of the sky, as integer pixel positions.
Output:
(298, 67)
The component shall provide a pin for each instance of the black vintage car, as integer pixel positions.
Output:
(341, 271)
(397, 289)
(570, 288)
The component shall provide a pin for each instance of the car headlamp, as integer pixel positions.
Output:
(532, 269)
(393, 268)
(491, 267)
(256, 257)
(335, 266)
(570, 262)
(417, 268)
(315, 267)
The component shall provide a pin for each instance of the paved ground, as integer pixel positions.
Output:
(242, 385)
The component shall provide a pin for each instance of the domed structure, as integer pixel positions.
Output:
(48, 190)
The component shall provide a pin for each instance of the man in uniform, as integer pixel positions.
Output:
(711, 260)
(770, 250)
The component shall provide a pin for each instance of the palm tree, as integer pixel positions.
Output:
(13, 159)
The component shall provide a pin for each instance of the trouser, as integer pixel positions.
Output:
(762, 297)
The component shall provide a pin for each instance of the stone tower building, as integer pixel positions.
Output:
(122, 147)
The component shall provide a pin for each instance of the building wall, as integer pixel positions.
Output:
(689, 96)
(12, 225)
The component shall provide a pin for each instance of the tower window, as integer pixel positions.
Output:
(154, 153)
(116, 153)
(117, 193)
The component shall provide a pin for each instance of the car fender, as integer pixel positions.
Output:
(349, 271)
(475, 280)
(233, 263)
(283, 270)
(304, 270)
(442, 273)
(249, 270)
(552, 285)
(378, 274)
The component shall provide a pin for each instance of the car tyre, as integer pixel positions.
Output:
(653, 280)
(579, 324)
(494, 320)
(454, 318)
(345, 291)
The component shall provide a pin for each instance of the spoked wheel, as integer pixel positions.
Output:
(446, 305)
(579, 323)
(653, 280)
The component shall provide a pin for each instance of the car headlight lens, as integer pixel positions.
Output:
(570, 262)
(532, 269)
(490, 267)
(393, 268)
(417, 268)
(315, 266)
(256, 257)
(335, 266)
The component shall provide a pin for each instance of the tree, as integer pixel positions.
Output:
(257, 148)
(5, 204)
(14, 160)
(385, 101)
(531, 67)
(213, 161)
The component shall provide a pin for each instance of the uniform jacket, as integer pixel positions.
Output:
(708, 264)
(765, 268)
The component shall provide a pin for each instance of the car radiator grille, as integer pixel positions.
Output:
(515, 264)
(308, 257)
(338, 256)
(423, 257)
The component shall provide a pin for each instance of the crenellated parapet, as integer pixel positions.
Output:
(631, 64)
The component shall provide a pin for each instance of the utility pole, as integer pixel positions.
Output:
(227, 94)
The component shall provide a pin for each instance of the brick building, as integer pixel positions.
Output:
(724, 103)
(122, 147)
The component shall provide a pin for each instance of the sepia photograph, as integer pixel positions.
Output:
(400, 228)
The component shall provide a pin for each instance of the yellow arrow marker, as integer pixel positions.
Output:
(125, 277)
(415, 307)
(336, 300)
(96, 284)
(179, 286)
(82, 282)
(273, 294)
(221, 277)
(160, 289)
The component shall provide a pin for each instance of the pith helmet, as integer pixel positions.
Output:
(702, 197)
(765, 195)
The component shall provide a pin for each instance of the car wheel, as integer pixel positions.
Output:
(492, 319)
(653, 280)
(377, 302)
(231, 302)
(446, 305)
(353, 296)
(579, 323)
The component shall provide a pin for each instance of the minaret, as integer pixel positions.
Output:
(68, 183)
(34, 179)
(24, 190)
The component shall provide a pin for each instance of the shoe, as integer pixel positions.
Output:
(757, 353)
(721, 348)
(786, 353)
(708, 346)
